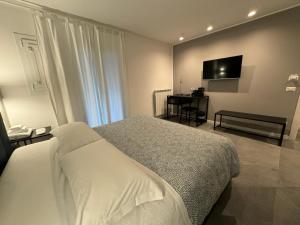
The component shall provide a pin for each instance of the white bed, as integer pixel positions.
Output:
(27, 195)
(34, 191)
(81, 177)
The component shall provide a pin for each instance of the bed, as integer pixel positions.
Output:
(197, 164)
(193, 167)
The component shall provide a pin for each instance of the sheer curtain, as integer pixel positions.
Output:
(84, 67)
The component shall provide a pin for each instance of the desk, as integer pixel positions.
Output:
(200, 104)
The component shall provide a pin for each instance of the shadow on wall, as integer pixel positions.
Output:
(241, 85)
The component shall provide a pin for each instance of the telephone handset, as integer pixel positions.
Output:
(19, 131)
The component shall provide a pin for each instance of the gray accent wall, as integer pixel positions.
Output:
(271, 49)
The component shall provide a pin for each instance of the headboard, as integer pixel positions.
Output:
(5, 148)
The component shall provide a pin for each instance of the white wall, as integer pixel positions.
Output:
(21, 107)
(296, 122)
(149, 68)
(271, 51)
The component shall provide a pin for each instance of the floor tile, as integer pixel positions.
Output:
(252, 152)
(251, 204)
(258, 176)
(267, 191)
(287, 206)
(289, 167)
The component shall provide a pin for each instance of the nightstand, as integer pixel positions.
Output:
(33, 138)
(40, 137)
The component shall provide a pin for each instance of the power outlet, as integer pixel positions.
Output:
(290, 89)
(294, 77)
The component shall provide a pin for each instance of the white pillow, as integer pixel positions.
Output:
(106, 184)
(74, 135)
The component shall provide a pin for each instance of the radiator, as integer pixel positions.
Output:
(160, 102)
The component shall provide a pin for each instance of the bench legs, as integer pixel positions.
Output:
(282, 135)
(215, 121)
(167, 111)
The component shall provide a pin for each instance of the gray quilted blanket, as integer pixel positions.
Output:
(196, 163)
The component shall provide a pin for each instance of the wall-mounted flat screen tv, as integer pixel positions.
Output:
(225, 68)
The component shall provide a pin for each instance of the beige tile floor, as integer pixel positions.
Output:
(267, 191)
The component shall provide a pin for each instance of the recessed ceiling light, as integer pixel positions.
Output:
(181, 38)
(252, 13)
(209, 28)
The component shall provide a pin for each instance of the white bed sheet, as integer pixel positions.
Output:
(34, 191)
(26, 190)
(169, 211)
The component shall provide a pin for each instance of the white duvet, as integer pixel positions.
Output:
(34, 191)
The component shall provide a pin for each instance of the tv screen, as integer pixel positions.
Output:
(225, 68)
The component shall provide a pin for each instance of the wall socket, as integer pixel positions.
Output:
(294, 77)
(290, 89)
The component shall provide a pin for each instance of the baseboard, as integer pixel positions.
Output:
(210, 121)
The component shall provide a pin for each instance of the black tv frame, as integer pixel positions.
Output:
(225, 78)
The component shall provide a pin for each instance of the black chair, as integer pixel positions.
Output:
(195, 109)
(175, 101)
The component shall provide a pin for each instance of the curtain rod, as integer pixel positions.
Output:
(33, 6)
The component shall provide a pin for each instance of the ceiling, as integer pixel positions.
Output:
(167, 20)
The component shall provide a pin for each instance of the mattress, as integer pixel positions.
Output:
(196, 163)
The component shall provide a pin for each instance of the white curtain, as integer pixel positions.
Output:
(84, 67)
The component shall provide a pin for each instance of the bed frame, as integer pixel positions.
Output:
(5, 148)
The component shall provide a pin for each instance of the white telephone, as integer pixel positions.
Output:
(19, 131)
